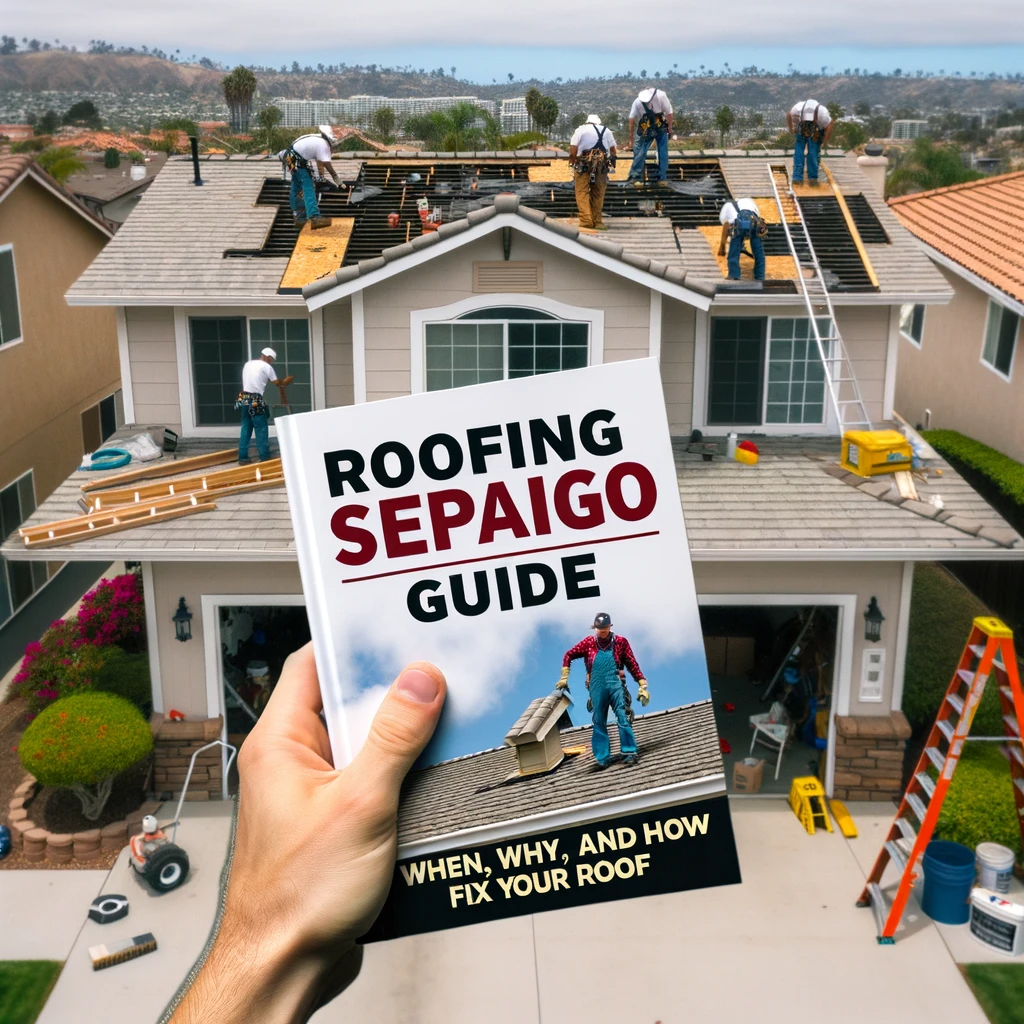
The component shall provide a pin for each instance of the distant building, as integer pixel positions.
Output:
(904, 130)
(514, 118)
(360, 109)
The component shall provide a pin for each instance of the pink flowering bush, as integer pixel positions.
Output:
(113, 613)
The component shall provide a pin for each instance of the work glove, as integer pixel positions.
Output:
(563, 680)
(643, 694)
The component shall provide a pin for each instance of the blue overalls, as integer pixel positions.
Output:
(607, 691)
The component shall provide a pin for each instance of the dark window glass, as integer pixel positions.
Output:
(507, 313)
(1007, 341)
(10, 315)
(736, 370)
(289, 337)
(218, 354)
(18, 580)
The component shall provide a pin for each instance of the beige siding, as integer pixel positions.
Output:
(947, 376)
(866, 579)
(183, 665)
(677, 330)
(449, 278)
(338, 353)
(154, 365)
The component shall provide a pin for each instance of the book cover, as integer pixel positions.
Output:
(527, 537)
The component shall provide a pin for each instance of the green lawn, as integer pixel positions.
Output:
(24, 987)
(999, 988)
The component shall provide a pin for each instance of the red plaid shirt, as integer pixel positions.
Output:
(587, 650)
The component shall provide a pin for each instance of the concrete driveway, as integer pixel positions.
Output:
(788, 944)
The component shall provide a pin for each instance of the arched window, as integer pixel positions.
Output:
(502, 342)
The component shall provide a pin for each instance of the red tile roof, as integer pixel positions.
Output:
(979, 225)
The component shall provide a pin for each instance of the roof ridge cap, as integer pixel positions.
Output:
(960, 187)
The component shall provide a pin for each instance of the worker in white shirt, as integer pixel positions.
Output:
(650, 120)
(309, 153)
(812, 125)
(256, 375)
(591, 153)
(742, 221)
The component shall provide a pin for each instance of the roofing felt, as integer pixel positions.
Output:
(676, 746)
(979, 225)
(787, 506)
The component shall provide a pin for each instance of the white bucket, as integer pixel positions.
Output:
(995, 866)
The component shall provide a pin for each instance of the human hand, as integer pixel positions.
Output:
(563, 679)
(643, 694)
(314, 850)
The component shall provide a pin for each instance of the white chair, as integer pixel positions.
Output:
(774, 729)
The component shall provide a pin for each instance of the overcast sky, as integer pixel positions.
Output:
(550, 39)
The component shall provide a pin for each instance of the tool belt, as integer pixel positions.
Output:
(251, 401)
(748, 225)
(597, 161)
(652, 122)
(810, 129)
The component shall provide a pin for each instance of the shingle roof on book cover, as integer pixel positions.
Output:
(679, 745)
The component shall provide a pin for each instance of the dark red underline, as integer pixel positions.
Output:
(510, 554)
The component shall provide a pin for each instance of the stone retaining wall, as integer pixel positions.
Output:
(174, 743)
(38, 844)
(869, 756)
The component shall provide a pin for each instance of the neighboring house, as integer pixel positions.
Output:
(113, 192)
(59, 364)
(961, 369)
(507, 287)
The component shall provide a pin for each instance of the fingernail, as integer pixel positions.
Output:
(417, 685)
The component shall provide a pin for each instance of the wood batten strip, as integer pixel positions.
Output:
(157, 469)
(268, 474)
(851, 225)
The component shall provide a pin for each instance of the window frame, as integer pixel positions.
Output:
(254, 354)
(993, 304)
(4, 345)
(916, 342)
(4, 579)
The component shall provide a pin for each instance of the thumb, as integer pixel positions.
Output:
(403, 725)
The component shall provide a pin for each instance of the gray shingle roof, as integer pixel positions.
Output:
(676, 746)
(786, 507)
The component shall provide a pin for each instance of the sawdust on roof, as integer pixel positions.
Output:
(776, 268)
(318, 252)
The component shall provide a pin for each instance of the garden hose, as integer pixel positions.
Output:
(108, 458)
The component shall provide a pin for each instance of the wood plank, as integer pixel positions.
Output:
(776, 268)
(854, 233)
(558, 170)
(208, 482)
(257, 485)
(163, 468)
(317, 253)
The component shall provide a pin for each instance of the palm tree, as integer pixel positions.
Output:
(926, 166)
(239, 88)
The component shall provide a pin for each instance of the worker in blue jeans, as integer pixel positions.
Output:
(812, 125)
(606, 657)
(309, 153)
(256, 375)
(742, 222)
(650, 120)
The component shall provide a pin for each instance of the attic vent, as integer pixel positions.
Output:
(522, 276)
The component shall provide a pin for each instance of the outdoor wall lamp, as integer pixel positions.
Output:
(873, 619)
(182, 620)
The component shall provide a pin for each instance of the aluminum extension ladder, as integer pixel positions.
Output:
(840, 378)
(989, 651)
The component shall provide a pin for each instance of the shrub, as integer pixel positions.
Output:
(111, 158)
(82, 742)
(979, 807)
(113, 613)
(127, 676)
(136, 157)
(57, 665)
(34, 145)
(1005, 473)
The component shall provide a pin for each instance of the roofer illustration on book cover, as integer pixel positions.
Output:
(607, 657)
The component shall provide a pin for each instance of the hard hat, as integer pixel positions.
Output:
(149, 824)
(602, 620)
(593, 118)
(269, 353)
(327, 132)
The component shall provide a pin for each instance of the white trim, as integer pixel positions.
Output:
(152, 639)
(183, 356)
(267, 300)
(1008, 377)
(359, 350)
(842, 680)
(899, 664)
(17, 300)
(701, 323)
(726, 299)
(577, 814)
(80, 209)
(892, 352)
(654, 342)
(123, 355)
(316, 357)
(973, 279)
(4, 579)
(419, 318)
(903, 334)
(527, 227)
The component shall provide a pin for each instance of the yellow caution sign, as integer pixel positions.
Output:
(807, 799)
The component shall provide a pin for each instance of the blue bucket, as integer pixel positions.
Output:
(948, 878)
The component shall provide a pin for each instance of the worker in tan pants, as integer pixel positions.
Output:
(591, 154)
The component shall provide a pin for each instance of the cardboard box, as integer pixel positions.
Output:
(739, 657)
(746, 778)
(716, 648)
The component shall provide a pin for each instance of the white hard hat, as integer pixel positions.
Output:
(269, 352)
(593, 119)
(327, 131)
(149, 824)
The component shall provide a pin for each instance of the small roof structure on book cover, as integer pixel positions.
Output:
(527, 537)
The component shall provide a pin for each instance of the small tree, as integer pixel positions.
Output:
(239, 88)
(546, 113)
(83, 113)
(48, 123)
(111, 158)
(383, 124)
(83, 743)
(724, 120)
(60, 162)
(835, 111)
(268, 119)
(577, 120)
(532, 98)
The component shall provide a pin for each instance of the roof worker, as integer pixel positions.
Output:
(812, 125)
(309, 153)
(650, 120)
(742, 220)
(591, 153)
(256, 375)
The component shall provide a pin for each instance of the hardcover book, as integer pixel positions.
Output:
(527, 537)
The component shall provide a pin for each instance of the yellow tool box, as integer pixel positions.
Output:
(873, 452)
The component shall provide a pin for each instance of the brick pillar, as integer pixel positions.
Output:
(869, 756)
(173, 746)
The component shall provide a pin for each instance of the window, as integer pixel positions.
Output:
(737, 370)
(912, 323)
(10, 311)
(502, 343)
(18, 580)
(796, 377)
(289, 338)
(218, 353)
(101, 420)
(1000, 338)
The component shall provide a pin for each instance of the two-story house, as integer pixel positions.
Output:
(381, 305)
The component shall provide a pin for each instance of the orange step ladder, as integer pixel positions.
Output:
(989, 651)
